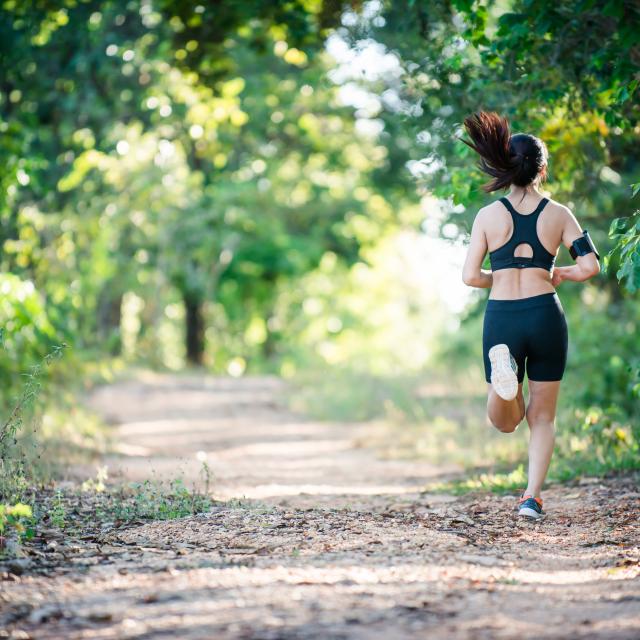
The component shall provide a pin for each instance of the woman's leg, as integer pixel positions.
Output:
(505, 415)
(504, 325)
(541, 416)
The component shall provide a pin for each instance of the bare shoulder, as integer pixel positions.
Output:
(488, 212)
(492, 207)
(560, 210)
(566, 222)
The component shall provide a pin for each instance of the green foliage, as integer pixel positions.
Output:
(183, 184)
(214, 166)
(506, 58)
(604, 366)
(15, 468)
(593, 72)
(626, 231)
(26, 332)
(14, 518)
(496, 482)
(596, 441)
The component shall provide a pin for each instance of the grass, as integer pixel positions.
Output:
(94, 506)
(496, 482)
(147, 500)
(441, 418)
(434, 419)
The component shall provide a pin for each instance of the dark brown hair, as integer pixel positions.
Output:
(509, 159)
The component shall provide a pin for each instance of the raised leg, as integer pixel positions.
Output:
(541, 417)
(505, 415)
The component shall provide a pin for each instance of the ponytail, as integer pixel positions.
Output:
(508, 159)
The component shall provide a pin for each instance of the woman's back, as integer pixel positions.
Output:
(519, 234)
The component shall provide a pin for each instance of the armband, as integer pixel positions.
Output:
(583, 245)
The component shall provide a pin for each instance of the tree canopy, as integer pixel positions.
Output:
(179, 176)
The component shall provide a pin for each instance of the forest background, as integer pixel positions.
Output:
(279, 188)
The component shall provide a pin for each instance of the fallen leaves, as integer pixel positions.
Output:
(374, 564)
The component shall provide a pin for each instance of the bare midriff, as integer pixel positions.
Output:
(512, 284)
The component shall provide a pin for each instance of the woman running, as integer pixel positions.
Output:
(524, 322)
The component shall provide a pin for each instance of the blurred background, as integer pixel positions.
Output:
(261, 187)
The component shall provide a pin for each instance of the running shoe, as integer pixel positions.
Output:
(504, 372)
(530, 507)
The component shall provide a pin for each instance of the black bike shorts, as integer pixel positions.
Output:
(534, 329)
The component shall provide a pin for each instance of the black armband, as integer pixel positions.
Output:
(583, 245)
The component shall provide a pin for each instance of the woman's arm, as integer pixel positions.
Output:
(472, 273)
(585, 267)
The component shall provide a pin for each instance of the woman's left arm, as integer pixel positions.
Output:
(472, 273)
(586, 266)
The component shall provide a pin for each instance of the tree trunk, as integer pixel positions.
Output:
(109, 318)
(269, 346)
(194, 329)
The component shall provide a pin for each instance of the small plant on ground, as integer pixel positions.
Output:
(57, 516)
(15, 521)
(96, 484)
(147, 500)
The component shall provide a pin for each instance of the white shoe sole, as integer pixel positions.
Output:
(504, 379)
(530, 513)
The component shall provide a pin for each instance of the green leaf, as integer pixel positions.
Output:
(618, 226)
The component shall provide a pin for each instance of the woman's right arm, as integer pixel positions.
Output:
(473, 275)
(585, 267)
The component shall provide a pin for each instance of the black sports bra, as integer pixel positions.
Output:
(524, 231)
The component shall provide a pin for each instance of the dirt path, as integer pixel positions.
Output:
(324, 540)
(254, 447)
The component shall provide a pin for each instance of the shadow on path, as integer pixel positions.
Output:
(324, 539)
